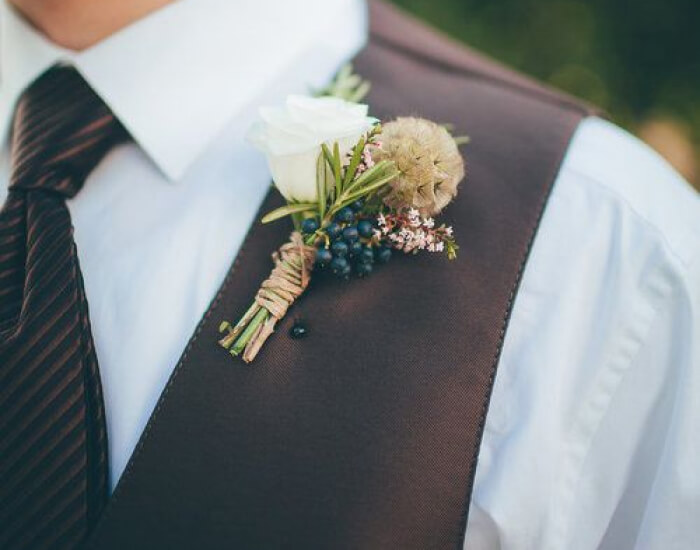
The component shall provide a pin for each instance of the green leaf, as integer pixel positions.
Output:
(346, 85)
(344, 72)
(360, 92)
(321, 185)
(327, 155)
(367, 177)
(452, 248)
(330, 182)
(367, 189)
(287, 210)
(337, 170)
(354, 162)
(296, 220)
(348, 82)
(376, 183)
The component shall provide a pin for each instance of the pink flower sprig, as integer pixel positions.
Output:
(366, 160)
(411, 232)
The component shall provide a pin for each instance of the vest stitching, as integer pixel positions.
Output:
(556, 166)
(573, 107)
(126, 475)
(434, 62)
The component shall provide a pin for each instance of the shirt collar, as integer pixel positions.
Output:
(177, 76)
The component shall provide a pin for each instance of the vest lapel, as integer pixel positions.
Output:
(365, 434)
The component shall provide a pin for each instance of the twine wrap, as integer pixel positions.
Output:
(287, 281)
(290, 277)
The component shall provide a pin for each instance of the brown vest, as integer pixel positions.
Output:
(365, 434)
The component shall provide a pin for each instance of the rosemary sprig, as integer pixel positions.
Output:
(339, 186)
(354, 162)
(288, 210)
(346, 85)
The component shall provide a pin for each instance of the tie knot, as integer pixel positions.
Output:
(61, 130)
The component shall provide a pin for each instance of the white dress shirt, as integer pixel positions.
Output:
(593, 436)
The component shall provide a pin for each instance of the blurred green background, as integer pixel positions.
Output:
(640, 60)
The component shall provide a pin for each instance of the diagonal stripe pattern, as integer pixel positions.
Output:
(53, 444)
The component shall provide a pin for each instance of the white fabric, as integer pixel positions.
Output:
(592, 436)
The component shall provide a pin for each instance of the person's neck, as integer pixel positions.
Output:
(78, 24)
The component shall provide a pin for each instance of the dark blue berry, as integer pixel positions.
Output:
(333, 230)
(345, 215)
(383, 254)
(350, 234)
(339, 248)
(365, 228)
(367, 255)
(309, 225)
(355, 248)
(323, 256)
(363, 269)
(339, 265)
(298, 330)
(345, 273)
(357, 205)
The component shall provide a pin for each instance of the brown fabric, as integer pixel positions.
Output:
(53, 446)
(365, 434)
(393, 29)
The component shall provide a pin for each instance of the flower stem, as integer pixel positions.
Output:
(233, 332)
(259, 318)
(287, 281)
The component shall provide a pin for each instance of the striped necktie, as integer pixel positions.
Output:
(53, 444)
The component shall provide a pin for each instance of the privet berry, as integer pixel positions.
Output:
(363, 269)
(298, 330)
(365, 228)
(309, 226)
(339, 248)
(345, 215)
(350, 234)
(367, 255)
(355, 248)
(383, 254)
(333, 230)
(323, 256)
(339, 265)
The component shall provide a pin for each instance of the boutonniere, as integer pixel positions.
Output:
(356, 190)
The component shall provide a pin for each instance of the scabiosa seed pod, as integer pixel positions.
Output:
(428, 161)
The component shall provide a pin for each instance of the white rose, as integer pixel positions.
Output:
(291, 137)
